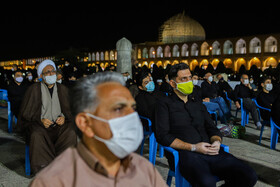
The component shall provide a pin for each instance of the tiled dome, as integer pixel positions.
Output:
(181, 28)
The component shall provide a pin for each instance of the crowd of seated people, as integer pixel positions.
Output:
(172, 98)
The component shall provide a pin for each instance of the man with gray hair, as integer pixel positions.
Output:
(104, 112)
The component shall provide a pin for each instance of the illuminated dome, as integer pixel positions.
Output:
(181, 28)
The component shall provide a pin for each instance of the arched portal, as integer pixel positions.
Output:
(152, 53)
(205, 49)
(159, 52)
(254, 61)
(228, 63)
(238, 63)
(166, 63)
(270, 61)
(194, 49)
(216, 49)
(193, 64)
(151, 64)
(145, 53)
(167, 52)
(204, 63)
(255, 45)
(270, 45)
(215, 62)
(228, 49)
(175, 51)
(175, 62)
(159, 63)
(184, 51)
(240, 47)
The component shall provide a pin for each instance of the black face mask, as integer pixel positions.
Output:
(222, 79)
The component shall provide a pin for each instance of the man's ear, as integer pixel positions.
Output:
(262, 84)
(83, 123)
(172, 83)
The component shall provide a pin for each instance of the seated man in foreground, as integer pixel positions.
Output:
(46, 119)
(186, 126)
(104, 112)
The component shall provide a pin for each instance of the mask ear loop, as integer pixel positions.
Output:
(97, 118)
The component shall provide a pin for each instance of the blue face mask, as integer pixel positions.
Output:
(150, 86)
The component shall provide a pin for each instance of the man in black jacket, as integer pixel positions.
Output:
(16, 91)
(246, 92)
(266, 97)
(211, 90)
(185, 125)
(147, 97)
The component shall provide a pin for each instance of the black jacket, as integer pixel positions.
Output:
(15, 95)
(265, 100)
(146, 105)
(189, 122)
(210, 90)
(243, 91)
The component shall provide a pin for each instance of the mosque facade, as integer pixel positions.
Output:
(183, 39)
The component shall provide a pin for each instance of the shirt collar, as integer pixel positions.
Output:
(94, 163)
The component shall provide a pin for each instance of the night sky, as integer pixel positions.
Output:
(43, 29)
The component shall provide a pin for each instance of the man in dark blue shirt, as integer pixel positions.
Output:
(185, 125)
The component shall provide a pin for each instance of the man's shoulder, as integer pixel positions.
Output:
(61, 86)
(35, 86)
(138, 160)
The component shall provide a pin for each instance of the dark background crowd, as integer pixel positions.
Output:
(70, 72)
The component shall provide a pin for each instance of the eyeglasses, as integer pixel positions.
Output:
(49, 72)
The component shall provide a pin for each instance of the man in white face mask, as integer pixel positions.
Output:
(111, 130)
(16, 90)
(266, 97)
(45, 116)
(246, 92)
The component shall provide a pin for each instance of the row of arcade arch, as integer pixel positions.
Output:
(228, 63)
(206, 49)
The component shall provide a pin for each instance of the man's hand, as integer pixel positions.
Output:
(206, 99)
(215, 146)
(249, 86)
(46, 122)
(60, 121)
(206, 148)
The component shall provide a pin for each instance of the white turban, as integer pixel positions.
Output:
(43, 64)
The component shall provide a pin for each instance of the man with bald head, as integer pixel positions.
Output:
(46, 119)
(111, 130)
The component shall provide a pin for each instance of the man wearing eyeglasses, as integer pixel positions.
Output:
(45, 117)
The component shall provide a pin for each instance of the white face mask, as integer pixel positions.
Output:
(210, 78)
(19, 79)
(268, 87)
(59, 81)
(195, 82)
(30, 78)
(246, 81)
(51, 79)
(127, 134)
